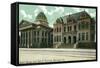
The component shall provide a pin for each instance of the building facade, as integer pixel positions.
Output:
(74, 30)
(37, 34)
(70, 31)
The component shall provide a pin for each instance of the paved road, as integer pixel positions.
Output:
(55, 55)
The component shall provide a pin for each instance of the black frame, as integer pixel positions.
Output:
(15, 34)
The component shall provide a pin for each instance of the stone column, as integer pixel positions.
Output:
(36, 38)
(28, 39)
(81, 37)
(67, 39)
(24, 39)
(31, 38)
(47, 38)
(71, 39)
(40, 38)
(20, 39)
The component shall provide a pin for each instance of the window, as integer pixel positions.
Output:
(86, 35)
(86, 25)
(34, 39)
(45, 39)
(57, 29)
(37, 39)
(38, 33)
(70, 28)
(79, 26)
(42, 39)
(34, 33)
(45, 33)
(92, 26)
(83, 36)
(92, 37)
(82, 25)
(60, 29)
(59, 38)
(79, 36)
(74, 27)
(64, 29)
(54, 38)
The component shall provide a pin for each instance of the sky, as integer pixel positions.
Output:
(29, 12)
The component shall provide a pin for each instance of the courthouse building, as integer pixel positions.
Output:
(36, 34)
(74, 30)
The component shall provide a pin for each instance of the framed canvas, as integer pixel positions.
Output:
(52, 33)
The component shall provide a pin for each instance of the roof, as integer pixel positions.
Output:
(41, 17)
(75, 16)
(26, 24)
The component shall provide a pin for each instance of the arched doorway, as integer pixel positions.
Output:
(69, 39)
(74, 39)
(65, 40)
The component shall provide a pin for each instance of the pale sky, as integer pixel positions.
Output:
(29, 12)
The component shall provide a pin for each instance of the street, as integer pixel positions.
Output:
(33, 55)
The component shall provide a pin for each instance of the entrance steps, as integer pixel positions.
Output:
(66, 46)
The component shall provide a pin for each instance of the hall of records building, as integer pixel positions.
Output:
(70, 31)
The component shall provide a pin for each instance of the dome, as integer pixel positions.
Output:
(41, 17)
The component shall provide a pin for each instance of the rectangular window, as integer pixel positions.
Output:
(35, 40)
(57, 29)
(74, 27)
(64, 29)
(68, 28)
(54, 38)
(92, 37)
(60, 29)
(83, 36)
(86, 35)
(34, 33)
(59, 38)
(54, 30)
(38, 40)
(92, 27)
(82, 25)
(45, 33)
(37, 33)
(79, 26)
(79, 37)
(86, 25)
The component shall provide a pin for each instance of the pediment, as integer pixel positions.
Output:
(24, 23)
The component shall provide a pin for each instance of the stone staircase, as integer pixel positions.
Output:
(66, 46)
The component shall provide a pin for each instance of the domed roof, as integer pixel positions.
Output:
(41, 17)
